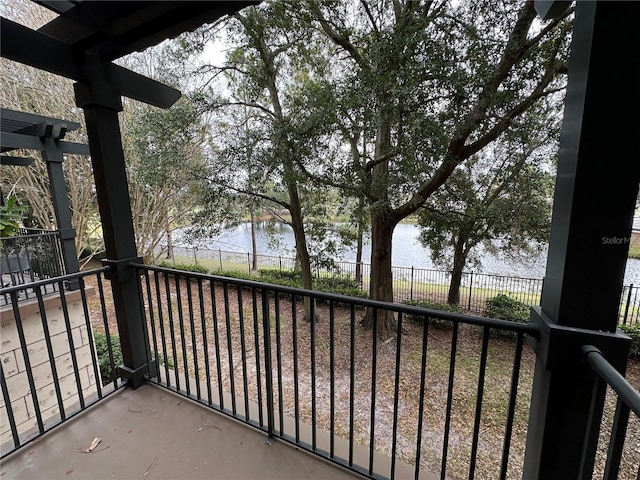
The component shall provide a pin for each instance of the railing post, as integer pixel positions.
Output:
(268, 365)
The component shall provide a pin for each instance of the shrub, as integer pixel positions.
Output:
(435, 321)
(235, 274)
(108, 371)
(504, 307)
(187, 267)
(339, 284)
(634, 332)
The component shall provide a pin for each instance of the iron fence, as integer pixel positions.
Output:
(442, 393)
(618, 461)
(51, 369)
(410, 283)
(31, 256)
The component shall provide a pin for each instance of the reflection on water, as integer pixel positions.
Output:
(406, 251)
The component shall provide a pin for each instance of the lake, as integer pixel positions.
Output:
(407, 251)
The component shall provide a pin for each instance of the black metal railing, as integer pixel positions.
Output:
(627, 400)
(439, 392)
(31, 256)
(51, 368)
(410, 283)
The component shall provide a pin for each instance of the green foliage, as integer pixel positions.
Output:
(505, 307)
(10, 215)
(108, 370)
(235, 274)
(187, 267)
(633, 331)
(338, 284)
(436, 322)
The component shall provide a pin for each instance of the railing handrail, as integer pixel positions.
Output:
(48, 281)
(47, 233)
(365, 302)
(629, 395)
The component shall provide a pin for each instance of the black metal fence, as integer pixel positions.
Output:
(422, 392)
(410, 283)
(622, 455)
(443, 393)
(31, 256)
(51, 368)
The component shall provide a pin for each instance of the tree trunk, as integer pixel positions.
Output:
(254, 243)
(381, 283)
(359, 252)
(453, 298)
(169, 238)
(310, 312)
(382, 226)
(459, 260)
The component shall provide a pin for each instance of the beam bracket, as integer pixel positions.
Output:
(560, 346)
(120, 270)
(97, 94)
(135, 378)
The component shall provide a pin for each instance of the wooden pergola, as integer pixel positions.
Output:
(28, 131)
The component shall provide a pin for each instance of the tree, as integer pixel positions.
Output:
(500, 198)
(441, 83)
(165, 164)
(263, 74)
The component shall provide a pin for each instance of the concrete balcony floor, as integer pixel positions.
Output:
(152, 434)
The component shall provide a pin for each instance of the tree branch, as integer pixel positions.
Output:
(365, 4)
(337, 38)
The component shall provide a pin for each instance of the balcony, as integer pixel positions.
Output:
(446, 397)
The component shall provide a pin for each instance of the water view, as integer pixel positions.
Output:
(407, 251)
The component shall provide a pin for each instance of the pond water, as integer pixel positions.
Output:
(407, 251)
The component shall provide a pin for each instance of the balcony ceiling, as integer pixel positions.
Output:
(111, 30)
(85, 37)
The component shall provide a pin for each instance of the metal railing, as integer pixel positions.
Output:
(628, 400)
(416, 401)
(51, 368)
(410, 283)
(29, 257)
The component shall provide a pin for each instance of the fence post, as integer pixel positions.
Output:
(280, 258)
(626, 308)
(411, 290)
(249, 261)
(195, 254)
(220, 257)
(470, 288)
